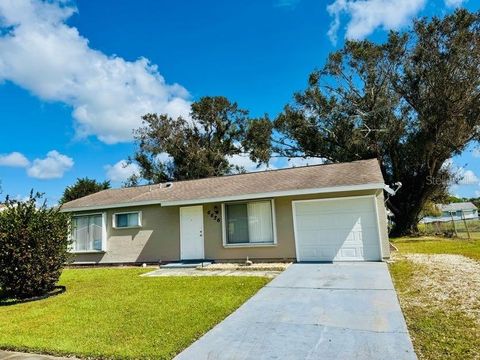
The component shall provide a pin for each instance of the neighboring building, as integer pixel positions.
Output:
(2, 207)
(330, 212)
(457, 211)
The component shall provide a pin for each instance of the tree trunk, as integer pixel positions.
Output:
(406, 209)
(405, 224)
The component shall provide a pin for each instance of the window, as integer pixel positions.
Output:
(127, 220)
(249, 223)
(88, 233)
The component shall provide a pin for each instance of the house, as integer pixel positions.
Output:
(455, 211)
(329, 212)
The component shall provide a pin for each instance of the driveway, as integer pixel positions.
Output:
(314, 311)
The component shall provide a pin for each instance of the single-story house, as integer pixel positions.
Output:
(455, 211)
(331, 212)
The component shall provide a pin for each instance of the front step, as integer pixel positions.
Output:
(185, 264)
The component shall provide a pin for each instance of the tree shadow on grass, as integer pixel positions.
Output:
(6, 300)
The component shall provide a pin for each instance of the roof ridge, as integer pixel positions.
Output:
(323, 175)
(260, 172)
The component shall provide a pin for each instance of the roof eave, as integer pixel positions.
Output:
(322, 190)
(111, 206)
(332, 189)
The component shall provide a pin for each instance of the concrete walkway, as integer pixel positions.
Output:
(314, 311)
(195, 272)
(12, 355)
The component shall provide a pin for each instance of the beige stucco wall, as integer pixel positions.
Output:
(285, 247)
(159, 237)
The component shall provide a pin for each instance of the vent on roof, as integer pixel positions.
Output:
(168, 185)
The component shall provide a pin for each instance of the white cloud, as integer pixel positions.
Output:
(249, 165)
(367, 15)
(14, 159)
(468, 177)
(466, 180)
(53, 166)
(476, 153)
(121, 171)
(453, 3)
(164, 157)
(295, 162)
(44, 55)
(277, 163)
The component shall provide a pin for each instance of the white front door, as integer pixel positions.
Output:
(191, 233)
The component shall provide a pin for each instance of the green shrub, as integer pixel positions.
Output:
(33, 248)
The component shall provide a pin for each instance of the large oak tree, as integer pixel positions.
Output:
(190, 148)
(413, 102)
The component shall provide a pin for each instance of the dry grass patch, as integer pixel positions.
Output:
(440, 297)
(452, 279)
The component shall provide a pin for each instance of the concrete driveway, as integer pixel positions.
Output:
(314, 311)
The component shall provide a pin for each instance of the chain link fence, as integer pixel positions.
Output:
(461, 228)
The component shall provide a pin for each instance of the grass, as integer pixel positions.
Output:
(438, 331)
(436, 245)
(115, 313)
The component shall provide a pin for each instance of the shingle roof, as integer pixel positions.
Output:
(458, 206)
(271, 181)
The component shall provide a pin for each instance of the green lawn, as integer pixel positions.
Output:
(115, 313)
(435, 245)
(439, 329)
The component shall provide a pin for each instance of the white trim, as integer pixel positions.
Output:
(274, 222)
(89, 214)
(112, 206)
(369, 186)
(114, 220)
(104, 234)
(379, 230)
(334, 198)
(249, 245)
(246, 245)
(224, 226)
(203, 230)
(374, 198)
(295, 237)
(104, 231)
(87, 252)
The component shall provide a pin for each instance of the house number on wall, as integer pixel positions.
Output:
(214, 214)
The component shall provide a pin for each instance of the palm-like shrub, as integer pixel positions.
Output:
(33, 248)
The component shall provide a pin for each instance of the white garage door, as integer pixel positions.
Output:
(336, 229)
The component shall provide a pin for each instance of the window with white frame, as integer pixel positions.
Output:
(127, 220)
(87, 232)
(249, 223)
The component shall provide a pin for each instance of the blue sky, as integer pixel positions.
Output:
(75, 77)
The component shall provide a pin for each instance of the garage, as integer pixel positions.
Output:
(339, 229)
